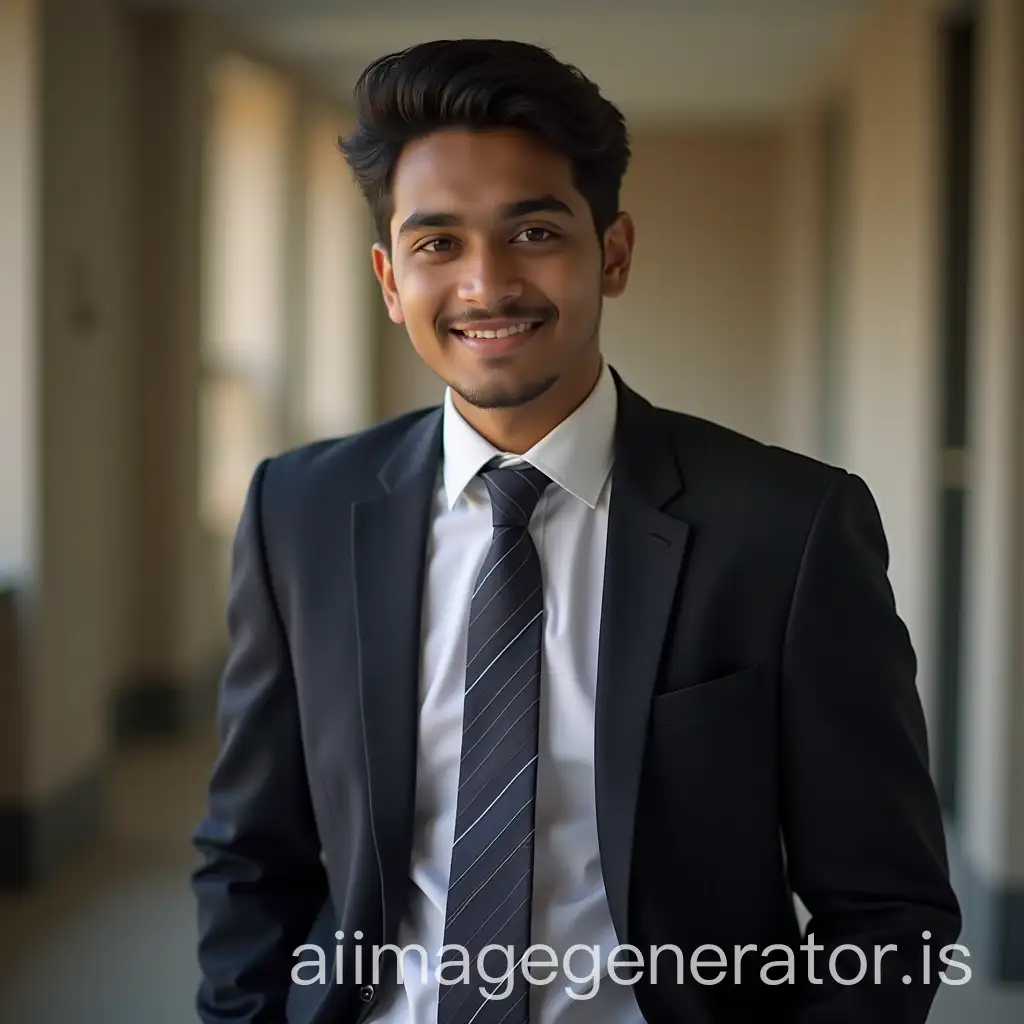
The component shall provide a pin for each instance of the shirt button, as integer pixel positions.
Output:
(366, 993)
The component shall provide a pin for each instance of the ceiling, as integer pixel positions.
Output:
(658, 59)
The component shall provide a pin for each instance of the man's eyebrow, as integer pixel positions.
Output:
(427, 219)
(542, 204)
(420, 219)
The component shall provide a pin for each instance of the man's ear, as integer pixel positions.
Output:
(618, 255)
(386, 276)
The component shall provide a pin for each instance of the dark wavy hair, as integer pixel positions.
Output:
(481, 84)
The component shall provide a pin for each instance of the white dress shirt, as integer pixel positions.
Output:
(570, 529)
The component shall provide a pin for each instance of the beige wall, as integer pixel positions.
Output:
(258, 276)
(18, 176)
(697, 327)
(993, 730)
(166, 271)
(697, 330)
(887, 78)
(85, 345)
(797, 368)
(18, 394)
(336, 389)
(127, 585)
(403, 381)
(237, 355)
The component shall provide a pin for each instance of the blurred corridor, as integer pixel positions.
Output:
(829, 198)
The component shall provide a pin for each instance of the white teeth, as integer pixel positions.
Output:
(505, 332)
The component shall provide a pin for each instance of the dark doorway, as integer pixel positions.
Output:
(955, 269)
(833, 161)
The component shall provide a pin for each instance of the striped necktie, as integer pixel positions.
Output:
(491, 880)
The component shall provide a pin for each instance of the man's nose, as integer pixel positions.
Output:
(489, 278)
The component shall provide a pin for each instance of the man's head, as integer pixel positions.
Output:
(493, 174)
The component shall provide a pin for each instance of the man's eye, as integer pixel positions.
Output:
(437, 245)
(536, 234)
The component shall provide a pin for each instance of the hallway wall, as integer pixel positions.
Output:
(888, 80)
(85, 358)
(19, 163)
(992, 731)
(19, 88)
(885, 80)
(117, 620)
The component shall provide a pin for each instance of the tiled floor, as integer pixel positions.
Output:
(111, 941)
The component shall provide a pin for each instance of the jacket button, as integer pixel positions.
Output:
(366, 993)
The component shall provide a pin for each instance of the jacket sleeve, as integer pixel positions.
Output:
(862, 826)
(261, 882)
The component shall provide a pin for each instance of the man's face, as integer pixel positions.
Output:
(490, 237)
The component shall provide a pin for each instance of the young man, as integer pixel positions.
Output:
(548, 665)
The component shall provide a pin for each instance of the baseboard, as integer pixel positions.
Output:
(37, 841)
(155, 706)
(993, 920)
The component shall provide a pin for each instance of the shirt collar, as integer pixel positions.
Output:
(576, 455)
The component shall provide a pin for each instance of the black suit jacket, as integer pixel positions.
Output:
(758, 729)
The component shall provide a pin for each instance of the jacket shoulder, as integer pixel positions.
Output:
(354, 458)
(751, 473)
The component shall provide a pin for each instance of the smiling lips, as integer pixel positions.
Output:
(499, 332)
(497, 336)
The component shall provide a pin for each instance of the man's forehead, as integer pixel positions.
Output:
(482, 170)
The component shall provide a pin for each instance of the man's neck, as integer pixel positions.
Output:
(516, 430)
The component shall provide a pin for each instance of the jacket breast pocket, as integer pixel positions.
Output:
(700, 703)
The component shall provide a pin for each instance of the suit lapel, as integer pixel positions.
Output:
(389, 537)
(643, 563)
(645, 552)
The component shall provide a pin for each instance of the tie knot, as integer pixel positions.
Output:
(514, 492)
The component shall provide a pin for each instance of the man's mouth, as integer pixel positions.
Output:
(485, 333)
(499, 339)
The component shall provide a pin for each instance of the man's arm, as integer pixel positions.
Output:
(262, 882)
(862, 825)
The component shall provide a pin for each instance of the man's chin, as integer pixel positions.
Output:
(502, 395)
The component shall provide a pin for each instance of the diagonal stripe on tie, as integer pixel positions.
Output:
(491, 878)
